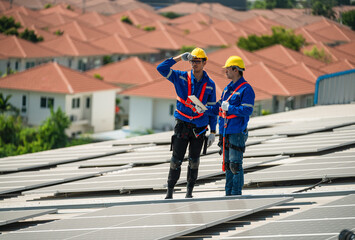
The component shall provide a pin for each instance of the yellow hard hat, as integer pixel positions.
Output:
(199, 53)
(235, 61)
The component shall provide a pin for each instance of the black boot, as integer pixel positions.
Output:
(169, 193)
(189, 192)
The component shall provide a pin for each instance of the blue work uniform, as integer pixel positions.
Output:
(241, 104)
(188, 122)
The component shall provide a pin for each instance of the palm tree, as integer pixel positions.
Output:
(6, 106)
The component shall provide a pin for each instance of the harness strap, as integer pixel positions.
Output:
(222, 113)
(188, 101)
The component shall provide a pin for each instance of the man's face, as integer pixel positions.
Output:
(197, 64)
(230, 72)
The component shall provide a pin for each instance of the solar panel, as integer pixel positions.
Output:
(304, 127)
(8, 217)
(58, 156)
(152, 177)
(147, 221)
(312, 143)
(322, 222)
(320, 167)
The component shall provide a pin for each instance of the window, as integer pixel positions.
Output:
(87, 102)
(47, 102)
(75, 103)
(16, 65)
(172, 108)
(30, 64)
(23, 109)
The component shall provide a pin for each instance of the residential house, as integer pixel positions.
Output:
(89, 102)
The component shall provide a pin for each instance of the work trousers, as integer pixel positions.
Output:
(184, 137)
(234, 162)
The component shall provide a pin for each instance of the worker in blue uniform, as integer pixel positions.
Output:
(191, 126)
(234, 109)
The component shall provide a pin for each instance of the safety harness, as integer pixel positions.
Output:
(188, 101)
(223, 114)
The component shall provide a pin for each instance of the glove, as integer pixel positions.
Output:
(199, 109)
(210, 139)
(186, 56)
(225, 106)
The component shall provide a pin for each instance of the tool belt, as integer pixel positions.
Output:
(228, 145)
(186, 130)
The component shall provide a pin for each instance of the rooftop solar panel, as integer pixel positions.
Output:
(147, 221)
(323, 222)
(8, 217)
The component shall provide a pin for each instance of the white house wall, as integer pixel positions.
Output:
(103, 111)
(141, 113)
(162, 119)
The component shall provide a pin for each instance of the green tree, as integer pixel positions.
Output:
(348, 19)
(259, 4)
(279, 35)
(171, 15)
(318, 54)
(52, 131)
(126, 19)
(8, 25)
(323, 8)
(30, 36)
(6, 106)
(270, 4)
(48, 5)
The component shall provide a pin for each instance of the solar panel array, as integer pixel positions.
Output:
(8, 217)
(322, 222)
(146, 221)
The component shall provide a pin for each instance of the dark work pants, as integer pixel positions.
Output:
(183, 138)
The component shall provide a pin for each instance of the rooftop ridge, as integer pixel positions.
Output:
(62, 75)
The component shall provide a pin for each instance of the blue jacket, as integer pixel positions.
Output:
(240, 104)
(179, 79)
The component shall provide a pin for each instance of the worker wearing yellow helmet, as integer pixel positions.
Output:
(234, 109)
(191, 126)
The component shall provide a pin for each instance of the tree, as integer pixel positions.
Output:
(126, 19)
(318, 54)
(323, 8)
(279, 35)
(349, 19)
(171, 15)
(259, 4)
(30, 36)
(270, 4)
(8, 25)
(6, 106)
(52, 131)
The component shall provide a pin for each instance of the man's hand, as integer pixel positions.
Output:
(186, 56)
(199, 109)
(225, 106)
(210, 139)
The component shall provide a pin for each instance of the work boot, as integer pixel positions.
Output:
(169, 193)
(189, 192)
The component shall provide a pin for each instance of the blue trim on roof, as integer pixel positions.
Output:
(321, 78)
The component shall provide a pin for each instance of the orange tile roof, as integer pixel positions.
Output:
(347, 48)
(336, 33)
(61, 8)
(54, 78)
(106, 8)
(136, 18)
(12, 46)
(191, 26)
(130, 72)
(55, 19)
(212, 36)
(259, 25)
(249, 58)
(33, 4)
(122, 29)
(150, 15)
(47, 36)
(198, 16)
(94, 19)
(26, 20)
(163, 26)
(21, 9)
(276, 82)
(338, 66)
(303, 71)
(286, 57)
(163, 39)
(309, 36)
(79, 31)
(69, 46)
(121, 45)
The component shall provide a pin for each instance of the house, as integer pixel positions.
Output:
(89, 102)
